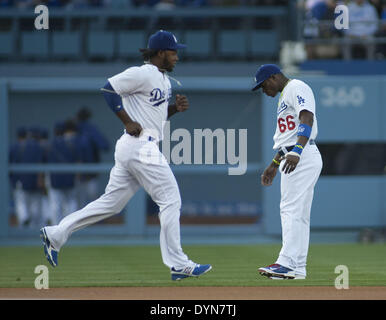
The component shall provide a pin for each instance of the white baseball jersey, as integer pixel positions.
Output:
(295, 97)
(145, 93)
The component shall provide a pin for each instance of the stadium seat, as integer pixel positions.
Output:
(199, 43)
(7, 43)
(265, 43)
(66, 44)
(129, 43)
(34, 44)
(101, 45)
(232, 43)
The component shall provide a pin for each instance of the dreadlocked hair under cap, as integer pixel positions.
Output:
(147, 54)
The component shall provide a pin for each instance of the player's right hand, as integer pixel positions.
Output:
(182, 103)
(133, 129)
(268, 175)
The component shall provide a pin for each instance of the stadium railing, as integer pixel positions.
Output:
(324, 32)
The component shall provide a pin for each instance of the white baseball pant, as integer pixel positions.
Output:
(138, 162)
(297, 191)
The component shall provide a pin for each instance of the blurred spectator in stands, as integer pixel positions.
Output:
(85, 127)
(36, 133)
(59, 129)
(383, 13)
(44, 143)
(380, 51)
(95, 3)
(363, 19)
(69, 4)
(95, 142)
(195, 22)
(76, 4)
(165, 5)
(27, 191)
(47, 214)
(6, 3)
(54, 3)
(318, 17)
(273, 2)
(50, 3)
(192, 3)
(144, 3)
(161, 22)
(15, 156)
(117, 3)
(378, 5)
(40, 135)
(24, 4)
(65, 148)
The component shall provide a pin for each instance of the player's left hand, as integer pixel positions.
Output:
(182, 103)
(291, 161)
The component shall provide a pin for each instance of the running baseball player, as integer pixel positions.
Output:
(139, 96)
(300, 163)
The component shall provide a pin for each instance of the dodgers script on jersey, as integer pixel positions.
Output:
(295, 97)
(145, 93)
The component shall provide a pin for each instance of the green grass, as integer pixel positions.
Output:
(232, 266)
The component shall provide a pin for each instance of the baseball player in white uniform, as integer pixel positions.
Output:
(139, 96)
(300, 164)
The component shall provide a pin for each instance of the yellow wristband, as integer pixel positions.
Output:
(276, 162)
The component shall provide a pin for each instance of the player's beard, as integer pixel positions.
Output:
(167, 65)
(270, 93)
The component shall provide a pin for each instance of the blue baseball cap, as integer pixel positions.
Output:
(263, 73)
(164, 40)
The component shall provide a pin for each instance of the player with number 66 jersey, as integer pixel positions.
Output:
(300, 164)
(295, 97)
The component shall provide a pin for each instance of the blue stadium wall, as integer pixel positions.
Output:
(349, 109)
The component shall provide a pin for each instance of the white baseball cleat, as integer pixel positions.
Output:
(190, 271)
(278, 271)
(50, 252)
(297, 277)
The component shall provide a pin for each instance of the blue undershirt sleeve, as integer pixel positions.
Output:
(112, 98)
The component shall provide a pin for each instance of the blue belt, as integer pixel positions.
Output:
(283, 150)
